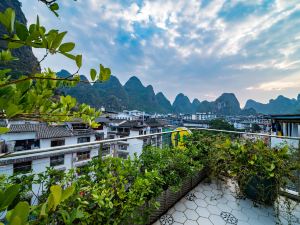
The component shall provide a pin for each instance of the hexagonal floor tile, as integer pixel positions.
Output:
(203, 212)
(204, 221)
(214, 209)
(201, 202)
(216, 220)
(191, 214)
(199, 195)
(190, 205)
(179, 206)
(179, 217)
(190, 222)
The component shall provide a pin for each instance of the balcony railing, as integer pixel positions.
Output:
(191, 188)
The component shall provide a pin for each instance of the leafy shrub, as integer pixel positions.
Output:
(173, 164)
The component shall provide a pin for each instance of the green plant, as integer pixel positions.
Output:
(33, 96)
(173, 164)
(260, 172)
(20, 213)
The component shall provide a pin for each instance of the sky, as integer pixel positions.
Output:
(201, 48)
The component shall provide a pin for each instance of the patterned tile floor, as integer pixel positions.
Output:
(216, 204)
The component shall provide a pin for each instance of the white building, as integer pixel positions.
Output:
(131, 129)
(130, 115)
(285, 125)
(29, 137)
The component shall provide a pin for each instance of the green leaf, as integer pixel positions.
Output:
(104, 73)
(8, 19)
(54, 7)
(12, 110)
(56, 192)
(70, 56)
(79, 61)
(43, 210)
(58, 39)
(12, 45)
(66, 47)
(21, 31)
(3, 130)
(67, 192)
(93, 74)
(4, 20)
(19, 215)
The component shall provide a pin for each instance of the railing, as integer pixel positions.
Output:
(99, 150)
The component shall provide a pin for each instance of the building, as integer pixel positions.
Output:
(28, 136)
(32, 136)
(132, 128)
(285, 125)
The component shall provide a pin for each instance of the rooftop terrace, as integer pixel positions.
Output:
(128, 188)
(216, 203)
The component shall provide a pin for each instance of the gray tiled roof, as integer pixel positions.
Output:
(42, 130)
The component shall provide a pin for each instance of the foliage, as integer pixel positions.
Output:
(33, 96)
(249, 162)
(256, 128)
(173, 164)
(108, 191)
(220, 124)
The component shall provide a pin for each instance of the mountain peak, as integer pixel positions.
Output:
(196, 101)
(134, 80)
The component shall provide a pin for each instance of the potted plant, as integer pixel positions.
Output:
(260, 171)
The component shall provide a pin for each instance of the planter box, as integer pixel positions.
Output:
(169, 198)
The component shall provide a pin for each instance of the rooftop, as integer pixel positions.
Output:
(217, 204)
(44, 131)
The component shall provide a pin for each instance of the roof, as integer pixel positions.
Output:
(44, 131)
(133, 124)
(155, 123)
(284, 116)
(102, 120)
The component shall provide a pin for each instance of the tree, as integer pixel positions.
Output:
(33, 96)
(256, 128)
(220, 124)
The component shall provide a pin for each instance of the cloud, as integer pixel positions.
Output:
(189, 46)
(278, 85)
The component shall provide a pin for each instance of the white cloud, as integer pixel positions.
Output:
(288, 82)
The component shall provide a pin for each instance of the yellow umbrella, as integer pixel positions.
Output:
(179, 137)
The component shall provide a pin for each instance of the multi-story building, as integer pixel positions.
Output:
(132, 128)
(285, 125)
(32, 136)
(27, 136)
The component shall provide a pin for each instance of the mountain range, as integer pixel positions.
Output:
(134, 95)
(27, 62)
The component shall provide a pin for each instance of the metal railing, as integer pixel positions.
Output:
(97, 144)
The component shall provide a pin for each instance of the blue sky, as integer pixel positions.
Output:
(201, 48)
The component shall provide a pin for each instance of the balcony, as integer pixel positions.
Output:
(216, 203)
(194, 183)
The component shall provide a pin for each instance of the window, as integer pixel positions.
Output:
(57, 160)
(26, 144)
(123, 147)
(22, 167)
(83, 139)
(83, 156)
(59, 142)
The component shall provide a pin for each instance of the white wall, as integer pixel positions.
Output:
(277, 142)
(135, 146)
(18, 136)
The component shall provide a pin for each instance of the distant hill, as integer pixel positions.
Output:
(134, 95)
(280, 105)
(182, 104)
(27, 62)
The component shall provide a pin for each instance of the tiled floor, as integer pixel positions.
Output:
(216, 204)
